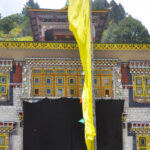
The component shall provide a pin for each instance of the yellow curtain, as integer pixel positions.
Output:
(79, 24)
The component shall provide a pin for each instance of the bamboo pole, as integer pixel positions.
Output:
(92, 64)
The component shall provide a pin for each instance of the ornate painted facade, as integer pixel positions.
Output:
(34, 70)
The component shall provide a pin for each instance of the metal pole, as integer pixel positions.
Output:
(92, 64)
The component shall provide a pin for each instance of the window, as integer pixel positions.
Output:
(97, 86)
(59, 81)
(36, 91)
(96, 92)
(142, 86)
(3, 142)
(48, 81)
(3, 84)
(72, 86)
(95, 81)
(82, 81)
(72, 81)
(80, 85)
(36, 80)
(143, 142)
(71, 91)
(41, 82)
(60, 91)
(60, 85)
(69, 82)
(106, 86)
(48, 91)
(37, 85)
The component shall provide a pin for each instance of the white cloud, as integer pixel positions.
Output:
(9, 7)
(53, 4)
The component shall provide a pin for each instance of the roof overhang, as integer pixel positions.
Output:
(58, 16)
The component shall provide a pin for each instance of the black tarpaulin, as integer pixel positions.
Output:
(53, 125)
(109, 125)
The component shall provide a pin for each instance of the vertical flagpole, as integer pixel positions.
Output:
(92, 63)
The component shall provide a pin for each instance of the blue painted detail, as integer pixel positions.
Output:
(139, 81)
(148, 82)
(82, 81)
(60, 81)
(148, 91)
(3, 79)
(48, 81)
(48, 71)
(95, 92)
(59, 91)
(36, 80)
(48, 91)
(36, 71)
(95, 81)
(71, 91)
(71, 81)
(3, 89)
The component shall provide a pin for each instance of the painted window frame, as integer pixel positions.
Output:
(139, 144)
(5, 146)
(4, 84)
(71, 82)
(143, 85)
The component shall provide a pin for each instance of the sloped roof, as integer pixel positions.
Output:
(60, 16)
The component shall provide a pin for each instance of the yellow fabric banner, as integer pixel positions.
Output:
(79, 24)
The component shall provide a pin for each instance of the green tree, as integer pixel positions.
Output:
(29, 4)
(107, 34)
(6, 24)
(129, 30)
(117, 12)
(17, 18)
(100, 4)
(26, 25)
(0, 16)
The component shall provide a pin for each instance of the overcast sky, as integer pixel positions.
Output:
(137, 8)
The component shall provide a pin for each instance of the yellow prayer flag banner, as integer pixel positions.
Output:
(79, 24)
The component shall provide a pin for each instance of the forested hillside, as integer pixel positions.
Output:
(119, 28)
(17, 27)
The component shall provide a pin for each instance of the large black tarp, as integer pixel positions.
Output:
(53, 125)
(109, 125)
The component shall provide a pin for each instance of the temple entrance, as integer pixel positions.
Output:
(49, 35)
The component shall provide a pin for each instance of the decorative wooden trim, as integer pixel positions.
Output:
(6, 127)
(72, 46)
(63, 10)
